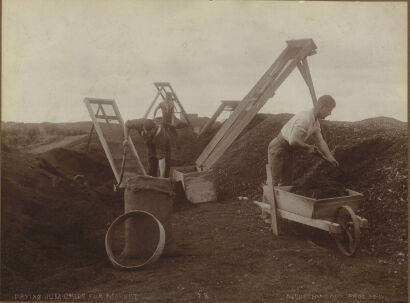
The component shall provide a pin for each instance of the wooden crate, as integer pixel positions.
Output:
(199, 187)
(313, 208)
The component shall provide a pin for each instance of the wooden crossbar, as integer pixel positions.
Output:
(99, 101)
(105, 117)
(296, 52)
(111, 137)
(326, 225)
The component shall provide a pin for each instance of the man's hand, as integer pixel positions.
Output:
(333, 161)
(125, 144)
(311, 149)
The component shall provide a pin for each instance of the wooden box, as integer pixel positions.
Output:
(199, 187)
(313, 208)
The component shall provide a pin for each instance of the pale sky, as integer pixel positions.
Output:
(57, 52)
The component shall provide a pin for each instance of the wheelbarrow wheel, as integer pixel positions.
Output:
(349, 238)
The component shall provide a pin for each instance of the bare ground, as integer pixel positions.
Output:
(230, 255)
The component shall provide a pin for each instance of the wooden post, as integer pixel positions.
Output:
(272, 200)
(152, 104)
(212, 120)
(89, 138)
(131, 144)
(305, 72)
(181, 107)
(102, 140)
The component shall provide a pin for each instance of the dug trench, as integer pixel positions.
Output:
(53, 227)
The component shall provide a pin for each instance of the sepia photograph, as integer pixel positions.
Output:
(207, 150)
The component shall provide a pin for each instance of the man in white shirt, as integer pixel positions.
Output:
(294, 134)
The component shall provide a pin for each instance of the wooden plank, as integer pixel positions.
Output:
(318, 223)
(242, 105)
(161, 84)
(230, 103)
(89, 138)
(106, 117)
(291, 202)
(309, 81)
(236, 129)
(131, 145)
(270, 193)
(246, 101)
(218, 151)
(152, 104)
(264, 206)
(314, 208)
(102, 140)
(212, 120)
(328, 209)
(262, 94)
(199, 187)
(301, 43)
(329, 226)
(304, 70)
(176, 175)
(99, 101)
(160, 88)
(180, 106)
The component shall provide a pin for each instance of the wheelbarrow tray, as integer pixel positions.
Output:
(314, 208)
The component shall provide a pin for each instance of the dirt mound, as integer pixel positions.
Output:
(373, 156)
(241, 170)
(49, 221)
(53, 227)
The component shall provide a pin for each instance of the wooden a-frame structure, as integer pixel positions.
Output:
(226, 105)
(109, 125)
(294, 55)
(164, 88)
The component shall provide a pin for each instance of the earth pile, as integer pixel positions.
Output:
(372, 153)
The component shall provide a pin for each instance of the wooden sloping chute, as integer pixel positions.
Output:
(294, 55)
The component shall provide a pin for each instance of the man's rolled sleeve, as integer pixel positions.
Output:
(299, 131)
(135, 124)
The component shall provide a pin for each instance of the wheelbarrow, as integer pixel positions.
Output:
(334, 215)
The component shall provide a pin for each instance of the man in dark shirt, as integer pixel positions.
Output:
(158, 144)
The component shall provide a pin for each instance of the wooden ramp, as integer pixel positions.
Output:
(109, 125)
(294, 55)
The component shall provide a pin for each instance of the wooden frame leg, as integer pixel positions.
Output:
(272, 200)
